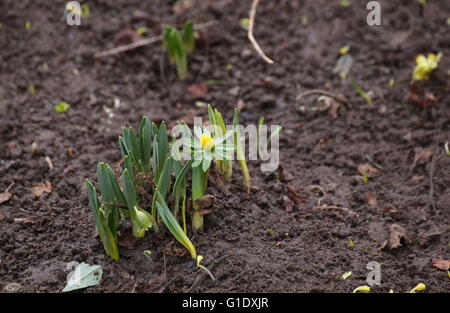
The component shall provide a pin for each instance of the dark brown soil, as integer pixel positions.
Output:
(254, 243)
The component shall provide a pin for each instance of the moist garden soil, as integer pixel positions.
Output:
(277, 238)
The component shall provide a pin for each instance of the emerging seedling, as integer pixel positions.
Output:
(179, 46)
(425, 65)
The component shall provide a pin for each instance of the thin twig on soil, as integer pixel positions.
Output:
(143, 42)
(250, 33)
(326, 94)
(334, 207)
(329, 207)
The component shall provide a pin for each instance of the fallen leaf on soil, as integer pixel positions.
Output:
(283, 175)
(288, 204)
(83, 276)
(416, 95)
(371, 199)
(6, 195)
(397, 234)
(416, 179)
(441, 264)
(368, 170)
(421, 156)
(293, 194)
(40, 189)
(198, 90)
(127, 240)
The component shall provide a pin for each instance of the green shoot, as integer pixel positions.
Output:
(361, 92)
(62, 107)
(240, 153)
(107, 235)
(178, 46)
(447, 150)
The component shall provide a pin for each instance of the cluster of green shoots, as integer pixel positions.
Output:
(179, 45)
(150, 173)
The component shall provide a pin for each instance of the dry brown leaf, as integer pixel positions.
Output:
(441, 264)
(198, 90)
(40, 189)
(397, 233)
(371, 199)
(284, 175)
(368, 170)
(6, 195)
(421, 156)
(416, 95)
(288, 204)
(293, 194)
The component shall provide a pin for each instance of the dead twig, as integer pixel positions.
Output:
(329, 207)
(143, 42)
(326, 94)
(250, 32)
(333, 207)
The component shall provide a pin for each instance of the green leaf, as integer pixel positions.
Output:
(145, 142)
(162, 146)
(62, 107)
(109, 240)
(173, 226)
(240, 152)
(188, 36)
(83, 276)
(180, 181)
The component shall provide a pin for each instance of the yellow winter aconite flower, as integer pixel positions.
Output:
(207, 142)
(364, 289)
(425, 65)
(419, 287)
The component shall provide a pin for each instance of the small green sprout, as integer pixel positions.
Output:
(351, 244)
(31, 88)
(344, 3)
(28, 25)
(419, 287)
(179, 46)
(142, 30)
(346, 275)
(85, 10)
(62, 107)
(361, 92)
(147, 252)
(447, 150)
(244, 22)
(363, 289)
(392, 82)
(425, 65)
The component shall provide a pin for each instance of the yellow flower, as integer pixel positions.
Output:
(419, 287)
(425, 65)
(364, 289)
(207, 142)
